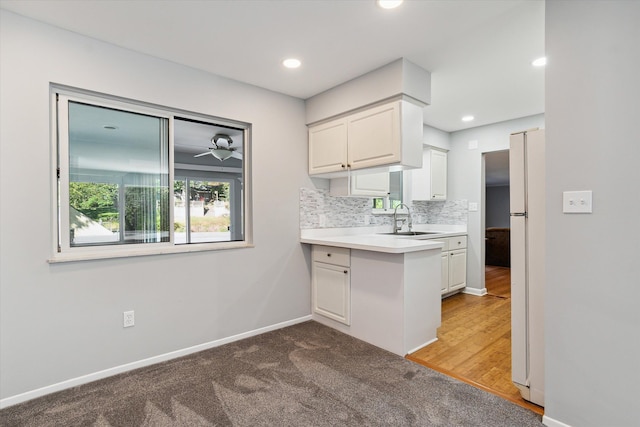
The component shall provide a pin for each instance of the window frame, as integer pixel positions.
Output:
(61, 250)
(188, 178)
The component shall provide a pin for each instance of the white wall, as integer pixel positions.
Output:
(497, 206)
(465, 180)
(593, 273)
(61, 321)
(436, 137)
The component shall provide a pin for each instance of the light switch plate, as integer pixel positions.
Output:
(473, 144)
(473, 206)
(577, 202)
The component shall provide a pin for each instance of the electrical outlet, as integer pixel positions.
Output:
(129, 319)
(577, 202)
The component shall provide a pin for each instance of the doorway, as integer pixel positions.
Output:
(496, 224)
(474, 341)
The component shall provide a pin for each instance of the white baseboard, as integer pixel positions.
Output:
(474, 291)
(550, 422)
(73, 382)
(423, 345)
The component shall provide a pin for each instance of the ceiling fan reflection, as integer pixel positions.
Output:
(221, 151)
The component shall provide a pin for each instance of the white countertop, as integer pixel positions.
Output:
(368, 239)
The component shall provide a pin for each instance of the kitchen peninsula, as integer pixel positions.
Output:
(382, 289)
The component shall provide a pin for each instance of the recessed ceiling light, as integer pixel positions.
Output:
(291, 63)
(467, 118)
(540, 62)
(389, 4)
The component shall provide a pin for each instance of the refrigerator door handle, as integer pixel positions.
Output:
(518, 214)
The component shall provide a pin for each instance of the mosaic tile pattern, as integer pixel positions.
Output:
(454, 212)
(318, 209)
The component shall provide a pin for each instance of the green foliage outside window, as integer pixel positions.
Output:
(378, 203)
(97, 201)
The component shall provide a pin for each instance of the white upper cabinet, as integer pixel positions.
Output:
(438, 175)
(368, 185)
(385, 135)
(429, 182)
(328, 147)
(374, 137)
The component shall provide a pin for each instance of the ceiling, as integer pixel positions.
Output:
(479, 52)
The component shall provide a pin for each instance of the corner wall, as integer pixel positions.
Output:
(593, 274)
(59, 322)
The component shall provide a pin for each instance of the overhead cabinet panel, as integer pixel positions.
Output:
(429, 182)
(374, 137)
(438, 175)
(328, 147)
(369, 185)
(378, 137)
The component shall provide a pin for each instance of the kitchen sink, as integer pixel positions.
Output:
(411, 233)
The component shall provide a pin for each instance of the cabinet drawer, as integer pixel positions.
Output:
(458, 242)
(332, 255)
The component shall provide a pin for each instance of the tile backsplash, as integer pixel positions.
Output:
(318, 209)
(454, 212)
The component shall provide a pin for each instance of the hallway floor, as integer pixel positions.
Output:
(474, 341)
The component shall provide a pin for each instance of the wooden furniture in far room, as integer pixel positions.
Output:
(498, 247)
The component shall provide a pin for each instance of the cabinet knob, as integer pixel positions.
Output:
(343, 166)
(345, 271)
(328, 254)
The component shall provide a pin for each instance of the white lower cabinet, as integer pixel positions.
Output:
(457, 269)
(331, 283)
(454, 264)
(444, 286)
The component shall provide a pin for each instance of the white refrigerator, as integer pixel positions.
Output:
(527, 208)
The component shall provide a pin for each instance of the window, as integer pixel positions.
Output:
(139, 179)
(395, 192)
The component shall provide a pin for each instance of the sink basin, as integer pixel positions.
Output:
(411, 233)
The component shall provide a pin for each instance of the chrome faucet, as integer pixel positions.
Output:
(409, 220)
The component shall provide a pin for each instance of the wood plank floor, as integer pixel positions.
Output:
(474, 341)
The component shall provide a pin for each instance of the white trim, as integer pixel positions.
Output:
(205, 168)
(59, 146)
(84, 379)
(474, 291)
(422, 346)
(142, 250)
(550, 422)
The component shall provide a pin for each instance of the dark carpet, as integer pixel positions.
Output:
(303, 375)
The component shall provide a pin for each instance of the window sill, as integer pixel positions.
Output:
(87, 254)
(402, 211)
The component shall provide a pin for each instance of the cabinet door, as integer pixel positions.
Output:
(375, 184)
(328, 147)
(430, 181)
(438, 175)
(331, 292)
(444, 287)
(457, 269)
(374, 136)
